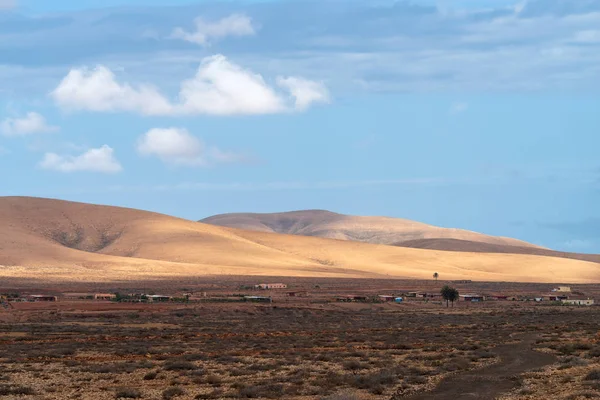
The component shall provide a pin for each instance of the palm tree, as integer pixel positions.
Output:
(436, 276)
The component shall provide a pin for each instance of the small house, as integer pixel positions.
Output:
(578, 301)
(41, 297)
(266, 286)
(471, 297)
(556, 297)
(386, 298)
(562, 289)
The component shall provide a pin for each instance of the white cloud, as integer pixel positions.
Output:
(458, 108)
(304, 91)
(98, 90)
(223, 88)
(233, 25)
(30, 124)
(101, 159)
(219, 87)
(178, 147)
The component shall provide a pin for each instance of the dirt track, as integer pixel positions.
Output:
(490, 382)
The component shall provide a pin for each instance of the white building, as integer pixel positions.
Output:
(562, 289)
(578, 301)
(270, 286)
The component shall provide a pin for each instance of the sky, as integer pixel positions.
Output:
(481, 115)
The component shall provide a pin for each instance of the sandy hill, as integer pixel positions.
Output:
(51, 240)
(380, 230)
(479, 247)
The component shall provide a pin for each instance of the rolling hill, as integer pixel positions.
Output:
(479, 247)
(54, 240)
(326, 224)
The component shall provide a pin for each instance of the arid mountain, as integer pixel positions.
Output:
(479, 247)
(53, 240)
(326, 224)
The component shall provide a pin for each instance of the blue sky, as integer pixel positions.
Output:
(478, 115)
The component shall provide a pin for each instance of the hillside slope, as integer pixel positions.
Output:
(379, 230)
(52, 240)
(479, 247)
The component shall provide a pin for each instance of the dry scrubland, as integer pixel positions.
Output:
(56, 241)
(297, 350)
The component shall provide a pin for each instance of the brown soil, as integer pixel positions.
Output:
(494, 380)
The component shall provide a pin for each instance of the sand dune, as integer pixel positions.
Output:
(379, 230)
(56, 240)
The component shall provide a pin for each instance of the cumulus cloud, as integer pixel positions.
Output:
(233, 25)
(304, 91)
(223, 88)
(101, 159)
(98, 90)
(29, 124)
(177, 146)
(219, 87)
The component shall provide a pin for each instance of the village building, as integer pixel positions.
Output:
(562, 289)
(266, 286)
(578, 301)
(471, 297)
(556, 297)
(386, 298)
(41, 297)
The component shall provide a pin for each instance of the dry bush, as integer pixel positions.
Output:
(128, 393)
(172, 392)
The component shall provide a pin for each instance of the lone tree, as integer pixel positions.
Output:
(449, 294)
(436, 275)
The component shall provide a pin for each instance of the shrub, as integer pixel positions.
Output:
(128, 393)
(593, 375)
(352, 365)
(172, 392)
(150, 376)
(6, 390)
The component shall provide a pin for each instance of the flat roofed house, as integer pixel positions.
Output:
(562, 289)
(383, 297)
(471, 297)
(41, 297)
(266, 286)
(578, 301)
